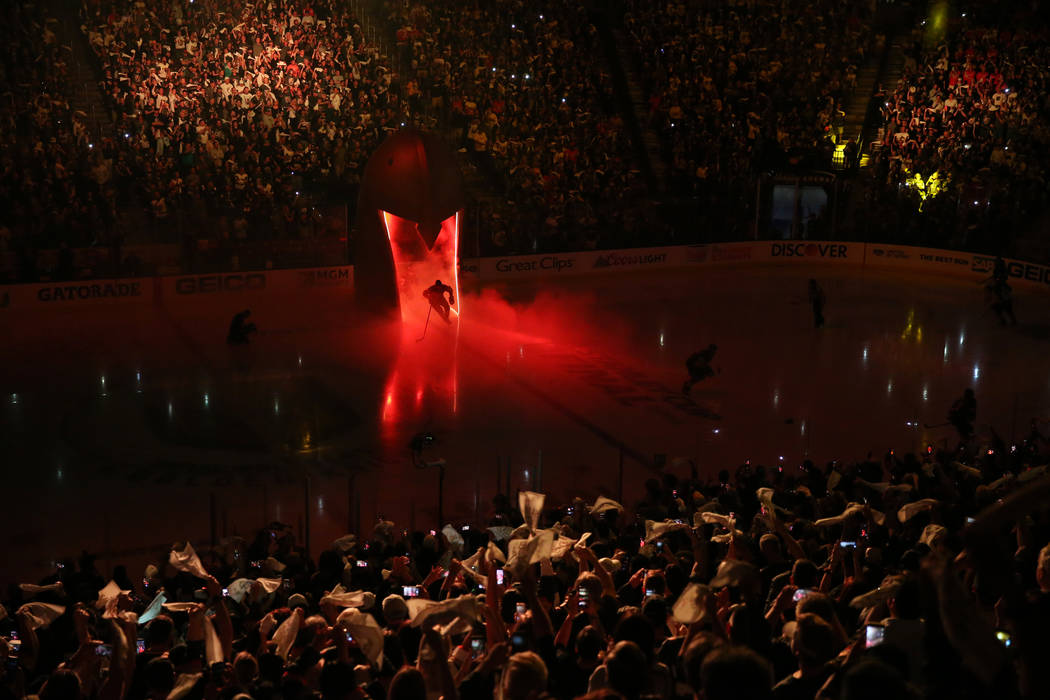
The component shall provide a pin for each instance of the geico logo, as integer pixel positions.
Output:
(808, 250)
(1031, 273)
(220, 283)
(548, 262)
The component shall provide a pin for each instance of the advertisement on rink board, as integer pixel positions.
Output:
(776, 252)
(146, 290)
(718, 253)
(469, 268)
(172, 289)
(969, 265)
(773, 251)
(812, 251)
(76, 293)
(258, 282)
(1018, 270)
(321, 277)
(591, 261)
(932, 259)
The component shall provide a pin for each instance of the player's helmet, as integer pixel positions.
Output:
(437, 281)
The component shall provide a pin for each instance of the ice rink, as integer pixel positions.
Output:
(123, 429)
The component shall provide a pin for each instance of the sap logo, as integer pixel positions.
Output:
(809, 250)
(209, 284)
(983, 264)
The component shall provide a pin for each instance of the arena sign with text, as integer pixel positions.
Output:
(250, 285)
(586, 262)
(76, 293)
(821, 251)
(949, 262)
(877, 255)
(257, 283)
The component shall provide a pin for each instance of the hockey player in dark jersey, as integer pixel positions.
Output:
(435, 294)
(699, 366)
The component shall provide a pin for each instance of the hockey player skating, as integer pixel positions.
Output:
(435, 294)
(963, 413)
(999, 273)
(817, 301)
(240, 328)
(1003, 304)
(699, 366)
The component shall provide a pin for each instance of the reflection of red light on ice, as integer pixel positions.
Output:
(388, 413)
(417, 265)
(455, 374)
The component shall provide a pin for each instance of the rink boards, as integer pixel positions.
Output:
(259, 285)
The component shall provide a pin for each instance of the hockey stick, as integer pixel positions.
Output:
(425, 325)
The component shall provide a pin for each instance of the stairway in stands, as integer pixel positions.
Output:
(83, 89)
(856, 107)
(639, 108)
(629, 97)
(85, 96)
(861, 122)
(892, 71)
(884, 68)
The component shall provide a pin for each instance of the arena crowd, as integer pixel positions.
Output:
(736, 89)
(56, 186)
(973, 110)
(526, 89)
(236, 120)
(231, 110)
(910, 576)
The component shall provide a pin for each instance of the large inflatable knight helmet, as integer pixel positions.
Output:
(412, 177)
